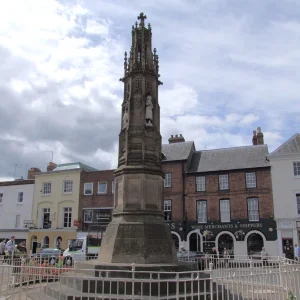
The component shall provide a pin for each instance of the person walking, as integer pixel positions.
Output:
(226, 256)
(214, 256)
(264, 256)
(10, 247)
(296, 253)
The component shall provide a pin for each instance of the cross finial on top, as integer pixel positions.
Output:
(142, 17)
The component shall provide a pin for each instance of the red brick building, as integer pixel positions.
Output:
(220, 198)
(96, 201)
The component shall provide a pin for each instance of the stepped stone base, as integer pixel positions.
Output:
(112, 281)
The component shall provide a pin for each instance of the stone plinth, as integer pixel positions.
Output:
(137, 238)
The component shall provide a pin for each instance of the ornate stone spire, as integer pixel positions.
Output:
(138, 232)
(141, 57)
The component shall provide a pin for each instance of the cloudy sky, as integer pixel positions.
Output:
(228, 66)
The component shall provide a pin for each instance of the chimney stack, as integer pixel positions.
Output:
(31, 172)
(254, 138)
(258, 137)
(51, 166)
(176, 139)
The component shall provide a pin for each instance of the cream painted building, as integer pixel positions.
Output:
(285, 170)
(55, 206)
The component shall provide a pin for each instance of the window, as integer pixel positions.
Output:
(201, 211)
(298, 203)
(250, 180)
(68, 186)
(46, 218)
(296, 168)
(67, 216)
(1, 197)
(200, 183)
(88, 216)
(46, 243)
(18, 221)
(223, 182)
(225, 210)
(46, 188)
(253, 214)
(112, 187)
(168, 180)
(102, 187)
(20, 197)
(168, 210)
(88, 188)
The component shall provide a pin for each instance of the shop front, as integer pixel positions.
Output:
(288, 236)
(20, 235)
(239, 237)
(38, 239)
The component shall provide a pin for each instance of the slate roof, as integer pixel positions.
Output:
(177, 151)
(291, 146)
(235, 158)
(74, 166)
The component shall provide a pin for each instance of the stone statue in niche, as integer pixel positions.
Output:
(149, 112)
(125, 116)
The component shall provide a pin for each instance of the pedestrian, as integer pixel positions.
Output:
(214, 256)
(264, 256)
(2, 249)
(296, 253)
(226, 256)
(11, 247)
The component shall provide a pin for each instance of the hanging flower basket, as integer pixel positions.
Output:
(207, 234)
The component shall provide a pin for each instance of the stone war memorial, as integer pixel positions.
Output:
(138, 239)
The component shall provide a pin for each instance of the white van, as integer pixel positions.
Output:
(81, 249)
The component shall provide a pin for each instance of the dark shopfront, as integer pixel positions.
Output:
(203, 237)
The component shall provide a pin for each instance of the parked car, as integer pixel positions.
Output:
(50, 255)
(193, 256)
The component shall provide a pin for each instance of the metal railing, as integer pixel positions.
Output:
(240, 278)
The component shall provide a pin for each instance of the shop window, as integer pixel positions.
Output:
(255, 243)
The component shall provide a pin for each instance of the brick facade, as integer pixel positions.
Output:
(176, 191)
(241, 234)
(95, 200)
(237, 193)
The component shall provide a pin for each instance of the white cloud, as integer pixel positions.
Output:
(177, 100)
